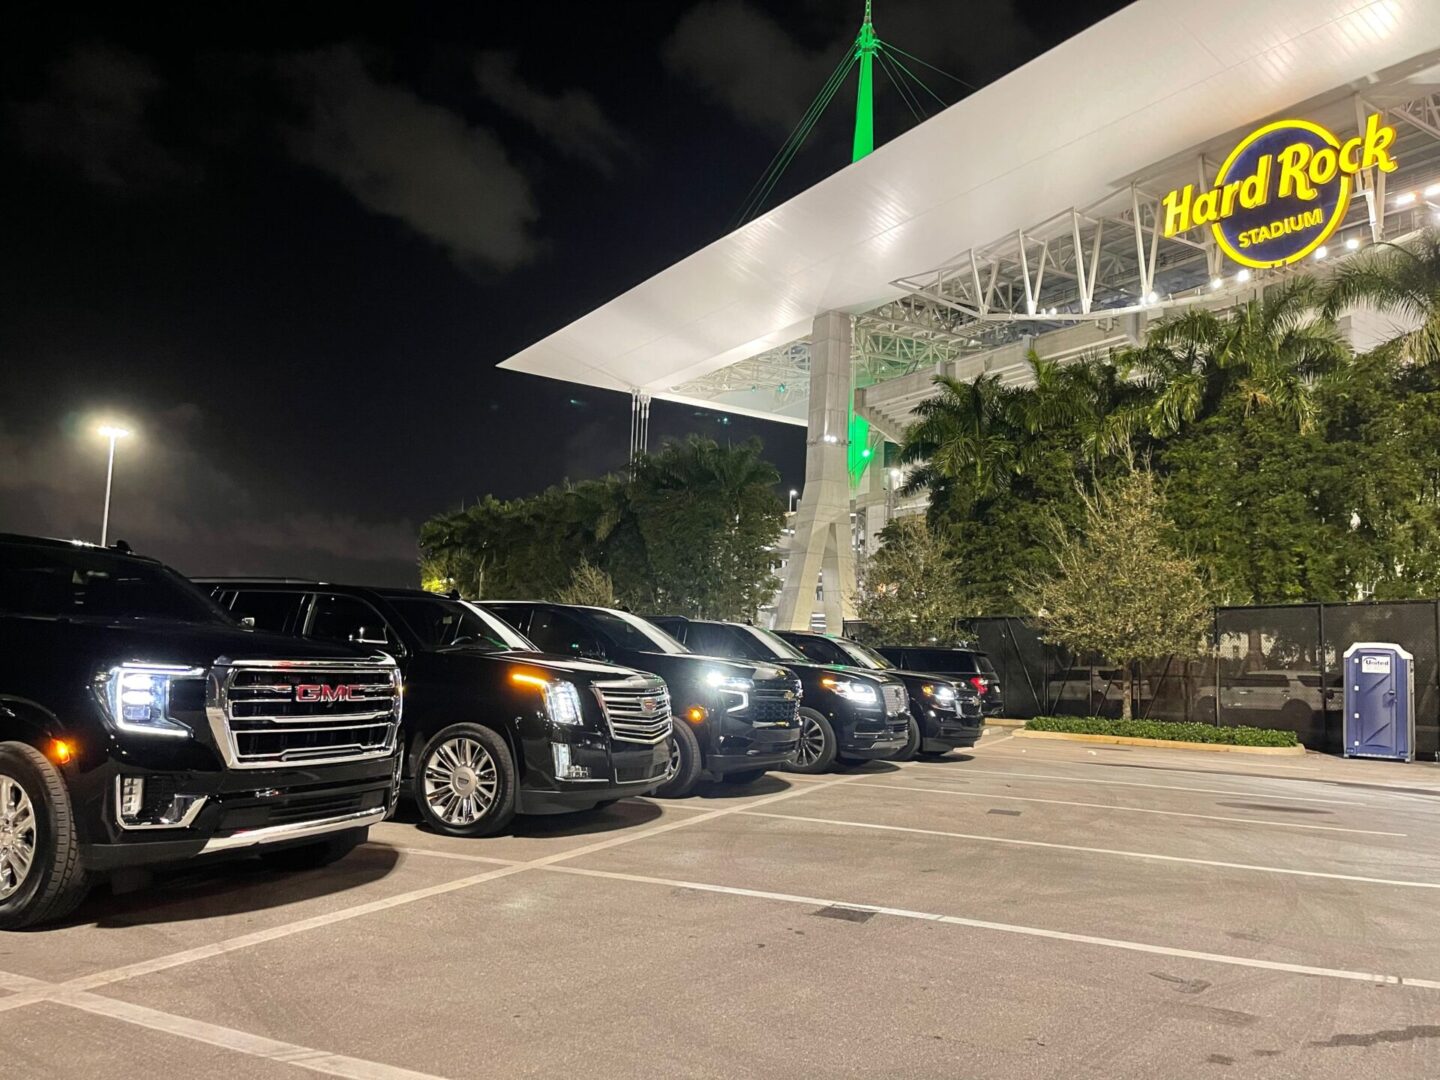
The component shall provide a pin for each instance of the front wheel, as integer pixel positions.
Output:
(313, 856)
(815, 752)
(40, 873)
(464, 782)
(684, 764)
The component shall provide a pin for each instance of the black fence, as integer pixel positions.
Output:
(1275, 667)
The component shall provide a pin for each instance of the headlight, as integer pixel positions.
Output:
(737, 685)
(136, 697)
(861, 693)
(943, 694)
(562, 699)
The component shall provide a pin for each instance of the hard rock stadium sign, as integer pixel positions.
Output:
(1282, 191)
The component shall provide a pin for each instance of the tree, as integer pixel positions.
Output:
(911, 588)
(1119, 587)
(588, 585)
(1399, 279)
(1268, 353)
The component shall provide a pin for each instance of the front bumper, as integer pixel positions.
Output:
(241, 810)
(617, 770)
(947, 731)
(754, 748)
(872, 738)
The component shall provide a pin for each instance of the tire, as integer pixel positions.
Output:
(912, 744)
(744, 776)
(685, 764)
(1205, 711)
(464, 782)
(933, 755)
(36, 817)
(313, 856)
(815, 753)
(1296, 716)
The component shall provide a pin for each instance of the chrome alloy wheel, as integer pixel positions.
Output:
(17, 836)
(461, 781)
(812, 742)
(674, 764)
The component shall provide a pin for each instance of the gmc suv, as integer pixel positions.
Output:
(846, 713)
(493, 726)
(139, 724)
(949, 713)
(735, 721)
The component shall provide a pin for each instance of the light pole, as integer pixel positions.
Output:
(793, 496)
(114, 434)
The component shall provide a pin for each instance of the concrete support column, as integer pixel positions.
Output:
(822, 521)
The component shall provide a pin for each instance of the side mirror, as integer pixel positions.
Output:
(248, 622)
(360, 638)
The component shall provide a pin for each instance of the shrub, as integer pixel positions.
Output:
(1159, 729)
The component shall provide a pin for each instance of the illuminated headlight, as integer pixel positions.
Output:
(942, 694)
(136, 697)
(860, 693)
(562, 699)
(737, 685)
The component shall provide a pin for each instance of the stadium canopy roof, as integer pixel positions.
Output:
(1073, 127)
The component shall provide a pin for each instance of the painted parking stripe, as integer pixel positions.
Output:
(241, 1042)
(1127, 809)
(1011, 928)
(1151, 856)
(966, 773)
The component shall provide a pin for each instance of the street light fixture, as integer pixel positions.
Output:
(793, 496)
(114, 434)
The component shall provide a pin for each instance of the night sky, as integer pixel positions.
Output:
(287, 244)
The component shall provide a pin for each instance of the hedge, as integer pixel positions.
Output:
(1157, 729)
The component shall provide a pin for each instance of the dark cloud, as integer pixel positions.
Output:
(412, 160)
(571, 120)
(92, 117)
(745, 59)
(171, 501)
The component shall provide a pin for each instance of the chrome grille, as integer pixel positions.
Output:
(268, 713)
(894, 696)
(774, 706)
(637, 709)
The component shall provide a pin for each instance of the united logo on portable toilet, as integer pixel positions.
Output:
(1282, 191)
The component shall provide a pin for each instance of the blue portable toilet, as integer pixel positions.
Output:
(1379, 701)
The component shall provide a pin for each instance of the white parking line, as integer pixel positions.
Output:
(1127, 809)
(1096, 851)
(1011, 928)
(276, 933)
(964, 772)
(241, 1042)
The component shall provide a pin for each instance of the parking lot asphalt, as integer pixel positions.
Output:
(1027, 909)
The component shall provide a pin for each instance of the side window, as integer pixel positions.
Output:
(277, 612)
(347, 621)
(709, 641)
(560, 632)
(821, 651)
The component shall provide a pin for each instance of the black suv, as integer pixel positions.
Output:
(967, 665)
(493, 726)
(736, 721)
(846, 712)
(949, 711)
(140, 724)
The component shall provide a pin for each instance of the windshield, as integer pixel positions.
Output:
(777, 648)
(632, 632)
(60, 582)
(863, 656)
(442, 623)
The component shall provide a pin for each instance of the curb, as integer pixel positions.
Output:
(999, 722)
(1169, 744)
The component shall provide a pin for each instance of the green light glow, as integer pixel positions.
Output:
(865, 45)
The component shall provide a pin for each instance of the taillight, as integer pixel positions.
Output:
(979, 682)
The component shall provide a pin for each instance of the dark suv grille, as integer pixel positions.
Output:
(266, 713)
(775, 704)
(638, 709)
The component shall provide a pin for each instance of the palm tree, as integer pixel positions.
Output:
(970, 436)
(1270, 353)
(1398, 279)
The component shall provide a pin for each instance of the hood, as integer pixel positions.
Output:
(678, 667)
(584, 670)
(192, 644)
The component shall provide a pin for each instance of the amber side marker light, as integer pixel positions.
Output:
(696, 714)
(529, 680)
(61, 751)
